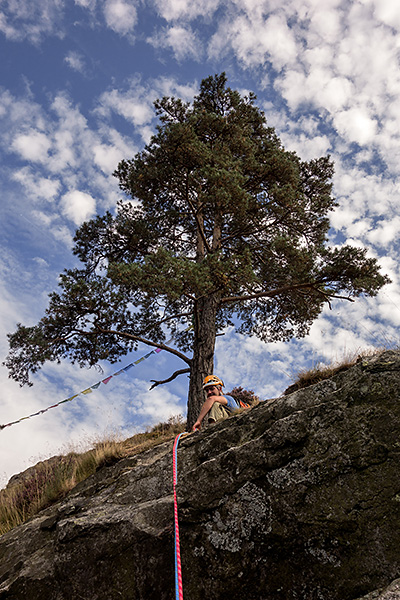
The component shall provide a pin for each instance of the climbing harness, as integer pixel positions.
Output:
(178, 570)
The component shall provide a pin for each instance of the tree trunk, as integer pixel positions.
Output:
(203, 354)
(205, 311)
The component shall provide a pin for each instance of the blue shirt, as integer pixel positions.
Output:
(232, 404)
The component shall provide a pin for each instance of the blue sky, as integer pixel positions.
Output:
(77, 85)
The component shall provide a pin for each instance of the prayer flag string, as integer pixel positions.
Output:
(90, 389)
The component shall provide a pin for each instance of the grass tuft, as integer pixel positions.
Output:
(321, 371)
(51, 480)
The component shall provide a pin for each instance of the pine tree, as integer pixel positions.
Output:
(223, 227)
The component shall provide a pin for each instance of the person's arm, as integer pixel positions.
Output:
(205, 409)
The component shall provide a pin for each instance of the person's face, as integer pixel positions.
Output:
(212, 390)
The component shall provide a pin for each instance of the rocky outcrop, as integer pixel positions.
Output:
(391, 592)
(296, 499)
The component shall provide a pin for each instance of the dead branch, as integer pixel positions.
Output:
(173, 376)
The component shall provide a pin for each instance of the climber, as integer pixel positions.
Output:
(217, 405)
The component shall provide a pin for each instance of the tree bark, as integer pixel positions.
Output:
(205, 312)
(203, 353)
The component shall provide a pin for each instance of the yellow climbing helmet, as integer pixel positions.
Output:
(212, 380)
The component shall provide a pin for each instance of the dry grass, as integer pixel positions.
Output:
(321, 371)
(51, 480)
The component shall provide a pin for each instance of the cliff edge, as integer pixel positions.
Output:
(296, 499)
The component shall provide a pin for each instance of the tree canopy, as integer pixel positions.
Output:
(223, 227)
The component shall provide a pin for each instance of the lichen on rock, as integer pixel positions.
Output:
(296, 499)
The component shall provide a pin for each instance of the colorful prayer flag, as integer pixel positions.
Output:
(93, 387)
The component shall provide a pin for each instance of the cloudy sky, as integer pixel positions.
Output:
(78, 81)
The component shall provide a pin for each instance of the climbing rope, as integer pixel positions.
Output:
(178, 570)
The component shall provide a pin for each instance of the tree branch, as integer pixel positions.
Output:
(138, 338)
(196, 216)
(282, 290)
(165, 319)
(173, 376)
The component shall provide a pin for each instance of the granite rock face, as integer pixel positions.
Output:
(391, 592)
(296, 499)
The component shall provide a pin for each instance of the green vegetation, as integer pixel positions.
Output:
(242, 395)
(223, 227)
(50, 481)
(322, 371)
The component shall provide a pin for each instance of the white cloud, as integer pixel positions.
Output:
(306, 146)
(255, 359)
(169, 86)
(107, 157)
(389, 265)
(135, 101)
(173, 10)
(359, 229)
(347, 69)
(367, 195)
(327, 20)
(76, 62)
(335, 340)
(356, 125)
(39, 188)
(44, 219)
(41, 262)
(78, 206)
(385, 232)
(368, 208)
(183, 42)
(387, 12)
(133, 105)
(293, 87)
(90, 4)
(57, 150)
(256, 41)
(337, 93)
(120, 16)
(343, 217)
(19, 112)
(157, 405)
(31, 20)
(62, 234)
(389, 310)
(66, 149)
(73, 426)
(302, 135)
(33, 146)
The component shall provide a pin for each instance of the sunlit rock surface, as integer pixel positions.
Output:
(297, 499)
